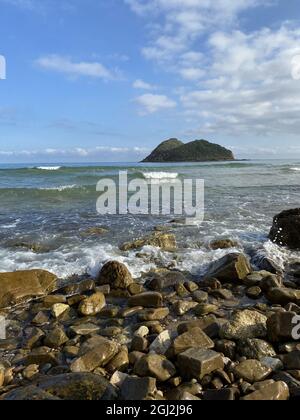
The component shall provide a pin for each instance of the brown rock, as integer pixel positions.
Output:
(165, 241)
(231, 268)
(245, 324)
(194, 338)
(252, 371)
(280, 327)
(147, 300)
(196, 363)
(155, 366)
(116, 275)
(92, 305)
(279, 391)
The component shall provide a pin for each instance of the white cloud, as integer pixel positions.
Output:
(65, 65)
(149, 103)
(142, 85)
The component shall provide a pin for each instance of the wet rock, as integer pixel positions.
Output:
(196, 364)
(231, 268)
(224, 294)
(116, 275)
(181, 291)
(254, 348)
(200, 296)
(275, 364)
(30, 372)
(254, 292)
(165, 241)
(157, 314)
(92, 305)
(42, 356)
(280, 327)
(96, 352)
(59, 309)
(138, 389)
(165, 280)
(130, 312)
(283, 296)
(292, 383)
(28, 393)
(209, 324)
(78, 288)
(135, 289)
(41, 318)
(33, 338)
(285, 229)
(205, 309)
(56, 338)
(194, 338)
(162, 343)
(22, 286)
(147, 300)
(252, 371)
(271, 282)
(291, 360)
(94, 231)
(277, 391)
(227, 347)
(139, 344)
(245, 324)
(154, 366)
(119, 363)
(2, 375)
(84, 329)
(223, 244)
(182, 307)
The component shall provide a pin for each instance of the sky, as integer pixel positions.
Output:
(108, 80)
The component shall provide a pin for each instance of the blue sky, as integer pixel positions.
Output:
(107, 80)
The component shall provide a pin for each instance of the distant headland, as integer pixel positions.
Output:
(174, 150)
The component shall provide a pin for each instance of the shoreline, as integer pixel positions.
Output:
(227, 335)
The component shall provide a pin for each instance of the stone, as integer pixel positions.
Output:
(154, 366)
(245, 324)
(277, 391)
(157, 314)
(252, 371)
(135, 289)
(223, 244)
(116, 275)
(271, 282)
(285, 229)
(181, 291)
(119, 363)
(224, 294)
(272, 363)
(292, 383)
(42, 356)
(139, 344)
(130, 312)
(96, 352)
(227, 347)
(30, 372)
(206, 324)
(162, 343)
(254, 292)
(283, 296)
(84, 329)
(71, 351)
(142, 331)
(181, 307)
(33, 337)
(98, 231)
(254, 348)
(21, 286)
(147, 300)
(200, 296)
(231, 268)
(92, 305)
(165, 241)
(138, 389)
(280, 327)
(56, 338)
(2, 375)
(291, 361)
(59, 309)
(28, 393)
(78, 288)
(197, 363)
(205, 309)
(165, 280)
(194, 338)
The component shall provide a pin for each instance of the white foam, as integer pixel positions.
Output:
(48, 168)
(61, 188)
(295, 169)
(160, 175)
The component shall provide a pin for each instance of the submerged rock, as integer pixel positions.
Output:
(21, 286)
(165, 241)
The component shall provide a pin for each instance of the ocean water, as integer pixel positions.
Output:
(50, 207)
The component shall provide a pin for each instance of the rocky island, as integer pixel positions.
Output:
(174, 150)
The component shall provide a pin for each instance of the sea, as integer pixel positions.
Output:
(48, 211)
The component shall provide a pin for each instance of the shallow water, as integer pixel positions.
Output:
(52, 205)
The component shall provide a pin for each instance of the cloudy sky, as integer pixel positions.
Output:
(107, 80)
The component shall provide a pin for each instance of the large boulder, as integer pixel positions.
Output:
(231, 268)
(286, 229)
(22, 286)
(116, 275)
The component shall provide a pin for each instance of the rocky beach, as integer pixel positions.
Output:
(169, 335)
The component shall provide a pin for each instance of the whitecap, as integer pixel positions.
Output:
(160, 175)
(48, 168)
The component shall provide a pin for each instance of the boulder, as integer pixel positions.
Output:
(277, 391)
(92, 305)
(197, 363)
(165, 280)
(147, 300)
(245, 324)
(165, 241)
(231, 268)
(116, 275)
(286, 228)
(96, 352)
(252, 371)
(280, 327)
(194, 338)
(22, 286)
(254, 348)
(154, 366)
(283, 296)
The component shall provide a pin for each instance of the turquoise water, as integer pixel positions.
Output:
(53, 205)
